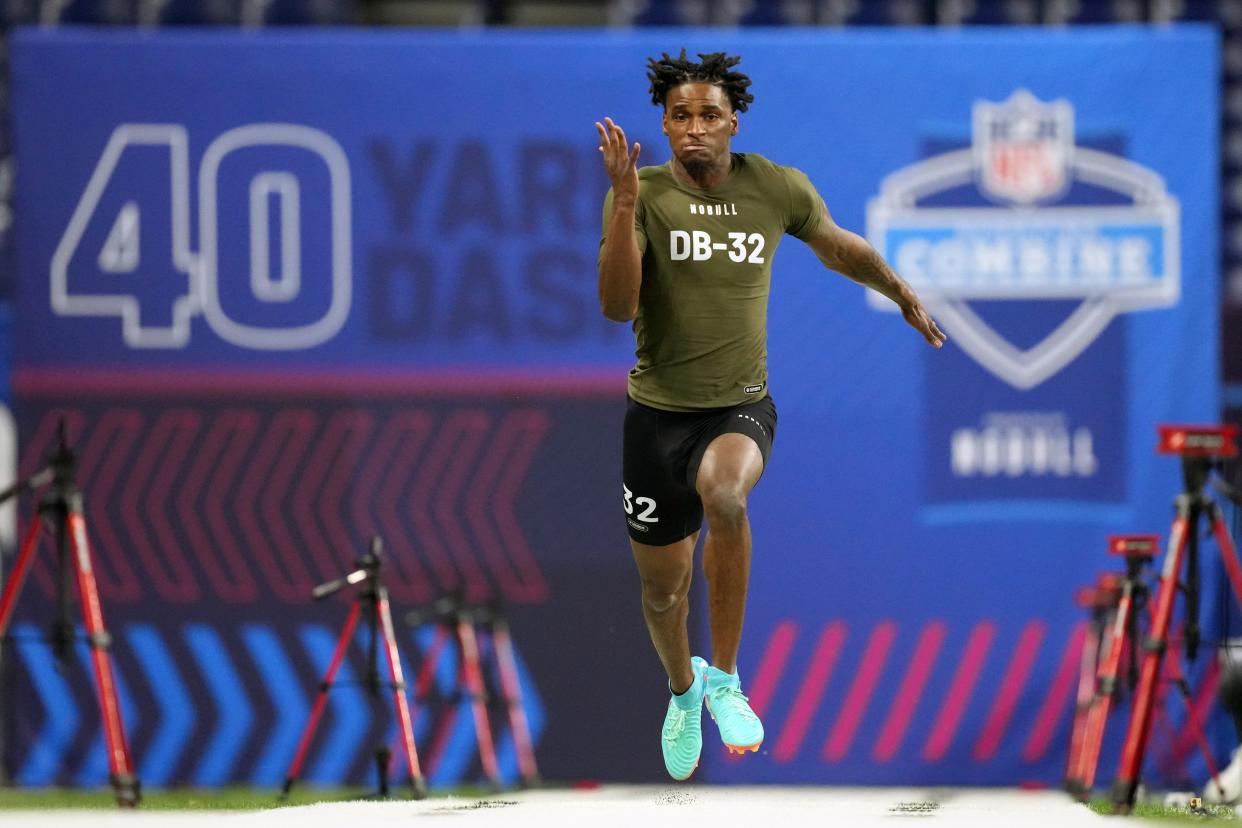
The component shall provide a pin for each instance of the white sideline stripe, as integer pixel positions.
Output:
(643, 806)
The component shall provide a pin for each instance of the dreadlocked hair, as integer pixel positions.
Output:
(669, 72)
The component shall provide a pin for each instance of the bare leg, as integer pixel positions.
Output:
(730, 468)
(665, 572)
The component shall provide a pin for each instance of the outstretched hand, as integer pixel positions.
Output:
(620, 162)
(921, 321)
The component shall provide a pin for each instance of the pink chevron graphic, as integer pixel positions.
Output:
(960, 690)
(106, 451)
(789, 744)
(309, 522)
(277, 559)
(1052, 711)
(772, 666)
(186, 425)
(357, 426)
(910, 692)
(468, 428)
(230, 494)
(192, 506)
(424, 382)
(160, 457)
(397, 448)
(231, 576)
(533, 425)
(298, 428)
(858, 698)
(1011, 688)
(421, 500)
(508, 457)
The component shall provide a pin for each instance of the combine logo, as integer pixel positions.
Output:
(1055, 221)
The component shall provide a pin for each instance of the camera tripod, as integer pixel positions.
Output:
(454, 619)
(1201, 449)
(60, 508)
(1124, 597)
(373, 598)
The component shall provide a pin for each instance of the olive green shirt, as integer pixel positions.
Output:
(701, 329)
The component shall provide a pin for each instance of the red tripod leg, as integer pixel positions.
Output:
(417, 784)
(119, 762)
(502, 642)
(474, 686)
(13, 586)
(1228, 554)
(1192, 719)
(427, 670)
(1085, 701)
(1097, 718)
(338, 655)
(1149, 676)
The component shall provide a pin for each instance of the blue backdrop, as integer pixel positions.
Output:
(327, 224)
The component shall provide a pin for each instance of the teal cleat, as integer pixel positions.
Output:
(740, 728)
(682, 736)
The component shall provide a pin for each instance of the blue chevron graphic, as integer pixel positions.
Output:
(459, 749)
(349, 712)
(176, 726)
(289, 705)
(235, 713)
(94, 769)
(446, 669)
(47, 751)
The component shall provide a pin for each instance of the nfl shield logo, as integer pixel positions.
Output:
(1023, 147)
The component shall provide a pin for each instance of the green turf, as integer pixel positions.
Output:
(182, 799)
(1166, 813)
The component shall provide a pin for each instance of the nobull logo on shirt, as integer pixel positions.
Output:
(719, 209)
(1026, 244)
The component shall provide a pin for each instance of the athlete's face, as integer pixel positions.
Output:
(699, 123)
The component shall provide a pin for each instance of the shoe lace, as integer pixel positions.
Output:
(735, 700)
(675, 724)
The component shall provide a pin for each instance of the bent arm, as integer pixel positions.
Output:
(620, 264)
(620, 260)
(851, 255)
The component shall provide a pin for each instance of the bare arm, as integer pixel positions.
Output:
(620, 263)
(851, 255)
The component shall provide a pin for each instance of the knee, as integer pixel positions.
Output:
(662, 596)
(724, 503)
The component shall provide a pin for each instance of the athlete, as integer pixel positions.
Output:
(686, 254)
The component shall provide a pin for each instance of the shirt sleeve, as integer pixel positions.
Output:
(640, 230)
(806, 211)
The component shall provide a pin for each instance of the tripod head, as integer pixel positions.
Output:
(446, 609)
(1138, 550)
(367, 569)
(62, 464)
(1104, 594)
(1202, 448)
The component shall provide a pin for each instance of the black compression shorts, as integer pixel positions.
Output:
(661, 452)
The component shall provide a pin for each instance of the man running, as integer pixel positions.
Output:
(687, 255)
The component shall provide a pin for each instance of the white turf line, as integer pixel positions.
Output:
(637, 807)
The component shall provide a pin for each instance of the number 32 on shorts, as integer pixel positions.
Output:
(648, 506)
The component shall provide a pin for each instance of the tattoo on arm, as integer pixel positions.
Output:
(851, 255)
(864, 265)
